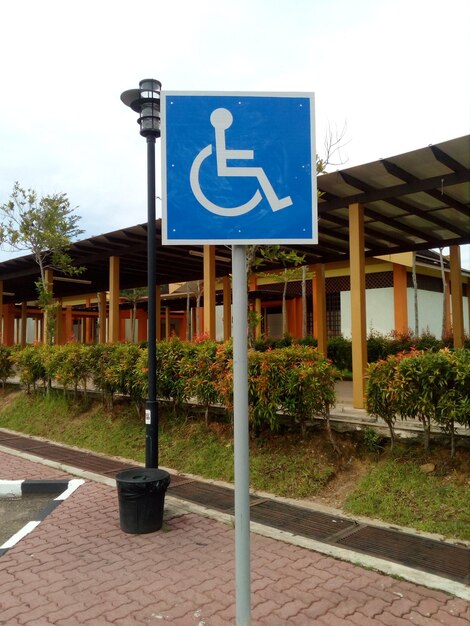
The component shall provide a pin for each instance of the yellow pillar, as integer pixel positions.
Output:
(209, 291)
(358, 302)
(113, 331)
(400, 298)
(49, 284)
(158, 307)
(102, 315)
(320, 329)
(227, 295)
(456, 295)
(167, 323)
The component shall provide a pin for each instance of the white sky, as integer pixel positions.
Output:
(396, 72)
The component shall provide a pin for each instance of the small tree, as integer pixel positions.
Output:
(290, 260)
(134, 296)
(44, 226)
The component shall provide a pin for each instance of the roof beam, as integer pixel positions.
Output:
(351, 180)
(447, 160)
(394, 223)
(435, 182)
(399, 172)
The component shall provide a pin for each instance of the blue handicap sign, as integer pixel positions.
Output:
(238, 168)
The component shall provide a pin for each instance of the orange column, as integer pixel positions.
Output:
(320, 330)
(294, 317)
(141, 325)
(227, 295)
(209, 291)
(68, 324)
(400, 299)
(1, 311)
(182, 328)
(358, 302)
(8, 324)
(158, 307)
(457, 298)
(102, 315)
(298, 317)
(46, 329)
(88, 322)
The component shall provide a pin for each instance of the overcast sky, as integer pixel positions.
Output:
(397, 73)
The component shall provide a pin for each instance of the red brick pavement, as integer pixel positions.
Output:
(77, 567)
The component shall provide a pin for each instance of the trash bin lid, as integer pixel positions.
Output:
(142, 475)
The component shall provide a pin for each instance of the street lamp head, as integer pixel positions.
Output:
(146, 102)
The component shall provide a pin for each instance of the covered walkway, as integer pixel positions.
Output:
(413, 201)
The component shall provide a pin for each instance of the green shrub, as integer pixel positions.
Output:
(427, 341)
(30, 364)
(6, 364)
(381, 392)
(265, 373)
(339, 352)
(421, 381)
(222, 371)
(432, 387)
(372, 440)
(307, 386)
(103, 372)
(197, 371)
(378, 347)
(171, 385)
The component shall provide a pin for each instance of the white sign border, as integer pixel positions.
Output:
(229, 240)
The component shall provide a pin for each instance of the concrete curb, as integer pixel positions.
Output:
(12, 488)
(174, 507)
(19, 488)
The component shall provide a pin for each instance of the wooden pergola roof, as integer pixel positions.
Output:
(414, 201)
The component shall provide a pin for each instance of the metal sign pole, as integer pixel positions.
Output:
(241, 436)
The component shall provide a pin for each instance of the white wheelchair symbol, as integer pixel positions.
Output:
(221, 119)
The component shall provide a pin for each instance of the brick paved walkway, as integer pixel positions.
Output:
(77, 567)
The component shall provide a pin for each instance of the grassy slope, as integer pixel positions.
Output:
(394, 488)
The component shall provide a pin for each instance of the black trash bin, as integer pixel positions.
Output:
(141, 495)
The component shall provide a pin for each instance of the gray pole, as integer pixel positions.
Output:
(241, 436)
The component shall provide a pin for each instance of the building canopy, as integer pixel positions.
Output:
(413, 201)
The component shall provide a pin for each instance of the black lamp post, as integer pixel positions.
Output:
(146, 102)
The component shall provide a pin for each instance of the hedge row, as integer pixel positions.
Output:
(339, 349)
(296, 381)
(433, 387)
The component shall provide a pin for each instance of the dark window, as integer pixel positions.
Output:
(333, 314)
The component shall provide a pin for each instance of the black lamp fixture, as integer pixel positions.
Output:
(146, 102)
